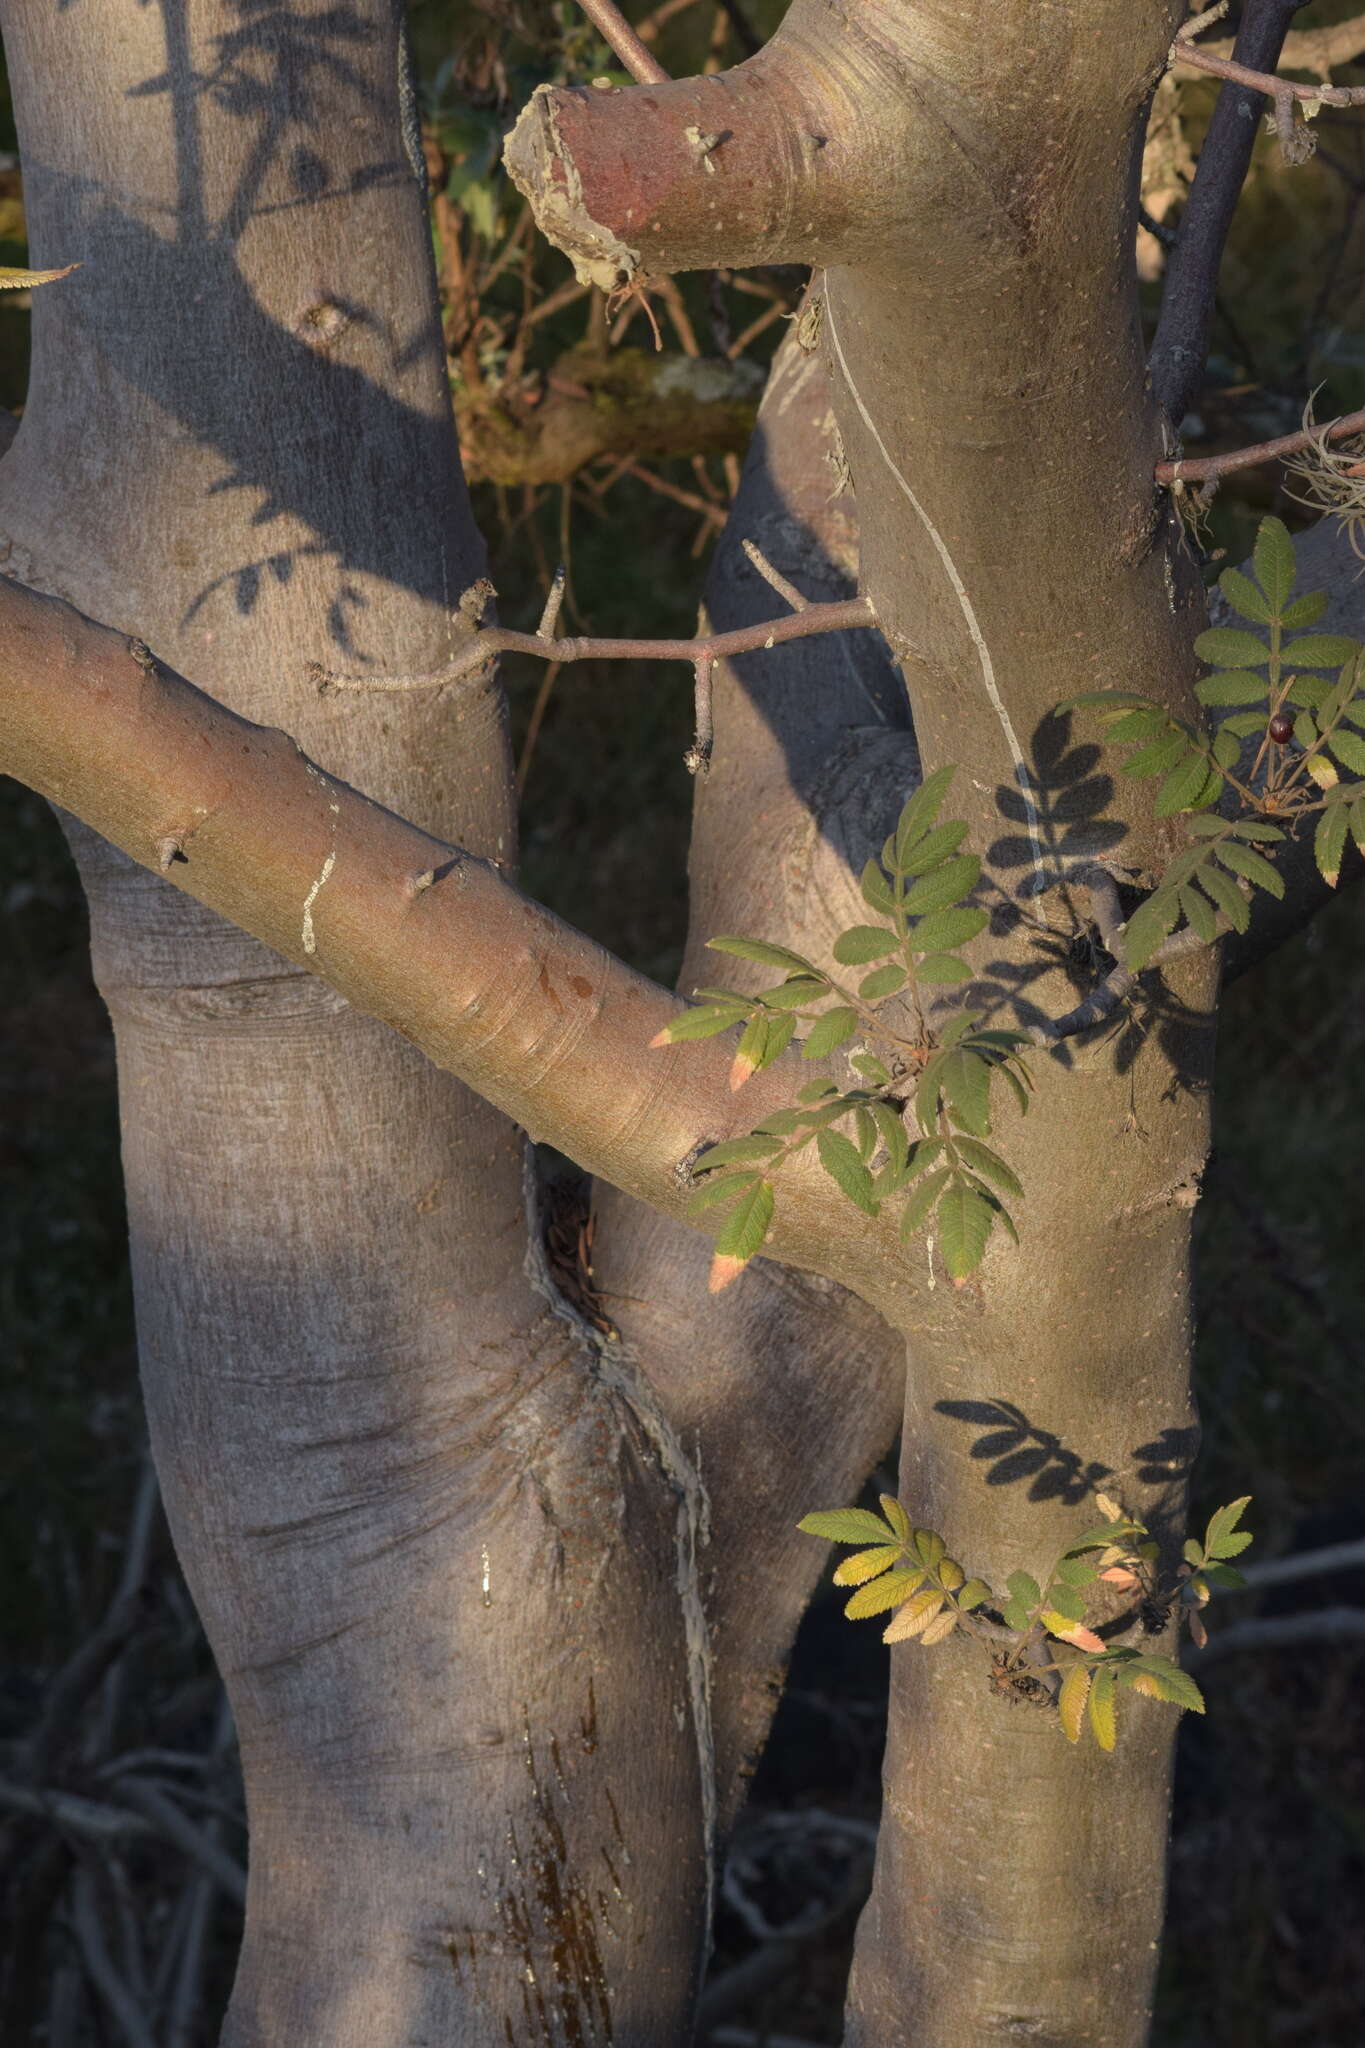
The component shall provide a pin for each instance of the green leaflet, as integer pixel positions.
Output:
(1231, 686)
(1319, 650)
(841, 1161)
(1227, 897)
(763, 953)
(942, 968)
(893, 1133)
(917, 1210)
(1200, 914)
(796, 993)
(882, 982)
(1242, 594)
(1329, 843)
(829, 1032)
(964, 1224)
(724, 1188)
(990, 1165)
(1143, 724)
(965, 1080)
(1158, 758)
(1256, 868)
(745, 1228)
(876, 889)
(1305, 610)
(936, 846)
(943, 931)
(847, 1525)
(1349, 750)
(1183, 785)
(1229, 647)
(1161, 1679)
(1149, 924)
(1273, 560)
(944, 885)
(757, 1145)
(864, 942)
(919, 815)
(700, 1023)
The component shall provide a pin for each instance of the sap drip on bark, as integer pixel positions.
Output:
(542, 1906)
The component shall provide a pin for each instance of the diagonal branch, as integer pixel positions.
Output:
(531, 1014)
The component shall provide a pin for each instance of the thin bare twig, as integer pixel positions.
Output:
(1268, 83)
(1204, 467)
(549, 618)
(1296, 140)
(697, 759)
(488, 641)
(621, 39)
(774, 577)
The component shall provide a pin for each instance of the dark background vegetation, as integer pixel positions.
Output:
(1270, 1813)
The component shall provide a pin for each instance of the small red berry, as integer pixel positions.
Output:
(1281, 729)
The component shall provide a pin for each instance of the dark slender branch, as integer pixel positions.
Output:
(122, 2006)
(1205, 467)
(620, 38)
(1182, 338)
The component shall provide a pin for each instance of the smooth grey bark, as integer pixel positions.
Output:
(787, 1383)
(419, 1519)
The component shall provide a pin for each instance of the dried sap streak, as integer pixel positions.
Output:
(545, 1915)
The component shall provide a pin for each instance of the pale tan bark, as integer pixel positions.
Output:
(974, 221)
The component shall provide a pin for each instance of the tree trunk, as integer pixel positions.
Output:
(419, 1519)
(965, 179)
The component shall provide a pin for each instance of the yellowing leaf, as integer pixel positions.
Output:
(913, 1617)
(1072, 1698)
(1103, 1724)
(882, 1593)
(1068, 1631)
(12, 280)
(941, 1626)
(866, 1564)
(896, 1516)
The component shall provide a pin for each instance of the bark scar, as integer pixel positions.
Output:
(545, 174)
